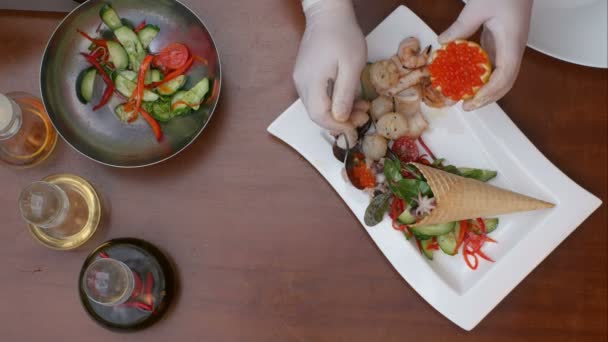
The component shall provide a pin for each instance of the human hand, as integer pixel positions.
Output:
(332, 54)
(505, 34)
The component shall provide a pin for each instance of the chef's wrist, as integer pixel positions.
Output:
(314, 7)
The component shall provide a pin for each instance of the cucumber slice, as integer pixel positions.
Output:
(126, 88)
(491, 225)
(367, 88)
(479, 174)
(192, 97)
(130, 75)
(84, 85)
(160, 110)
(153, 75)
(434, 229)
(447, 243)
(147, 35)
(172, 86)
(122, 114)
(132, 45)
(179, 108)
(406, 216)
(110, 17)
(118, 55)
(428, 253)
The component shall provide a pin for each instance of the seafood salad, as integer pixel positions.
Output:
(387, 158)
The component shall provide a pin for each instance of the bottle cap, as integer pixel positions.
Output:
(6, 112)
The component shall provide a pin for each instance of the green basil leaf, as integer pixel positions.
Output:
(392, 170)
(377, 208)
(408, 189)
(414, 170)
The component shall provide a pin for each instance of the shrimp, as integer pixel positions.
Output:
(409, 80)
(400, 68)
(384, 75)
(410, 55)
(433, 97)
(408, 101)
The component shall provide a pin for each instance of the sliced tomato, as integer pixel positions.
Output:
(172, 57)
(406, 149)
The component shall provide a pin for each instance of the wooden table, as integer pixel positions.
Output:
(266, 249)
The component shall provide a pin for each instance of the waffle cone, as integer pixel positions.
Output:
(460, 198)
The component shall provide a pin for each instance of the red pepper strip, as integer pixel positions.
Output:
(468, 254)
(214, 92)
(153, 124)
(461, 234)
(141, 78)
(103, 255)
(434, 245)
(107, 95)
(398, 226)
(148, 289)
(140, 26)
(489, 239)
(110, 85)
(481, 254)
(483, 226)
(138, 305)
(173, 74)
(138, 285)
(419, 245)
(202, 60)
(426, 148)
(99, 42)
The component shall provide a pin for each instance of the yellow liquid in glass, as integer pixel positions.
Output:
(36, 138)
(82, 218)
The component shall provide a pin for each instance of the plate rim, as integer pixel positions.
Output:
(425, 281)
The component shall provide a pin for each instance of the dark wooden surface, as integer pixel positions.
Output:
(266, 250)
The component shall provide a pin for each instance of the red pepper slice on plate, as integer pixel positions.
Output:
(483, 225)
(467, 254)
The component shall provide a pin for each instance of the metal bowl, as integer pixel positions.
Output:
(100, 135)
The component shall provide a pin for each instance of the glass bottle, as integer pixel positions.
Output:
(27, 136)
(108, 282)
(62, 211)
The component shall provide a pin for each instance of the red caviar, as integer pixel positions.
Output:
(459, 69)
(362, 174)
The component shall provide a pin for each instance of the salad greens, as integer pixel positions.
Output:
(151, 84)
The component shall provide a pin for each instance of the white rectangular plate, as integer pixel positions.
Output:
(486, 138)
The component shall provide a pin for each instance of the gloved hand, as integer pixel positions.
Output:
(505, 33)
(333, 48)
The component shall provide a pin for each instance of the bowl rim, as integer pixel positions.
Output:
(194, 138)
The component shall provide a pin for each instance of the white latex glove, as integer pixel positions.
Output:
(505, 32)
(333, 48)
